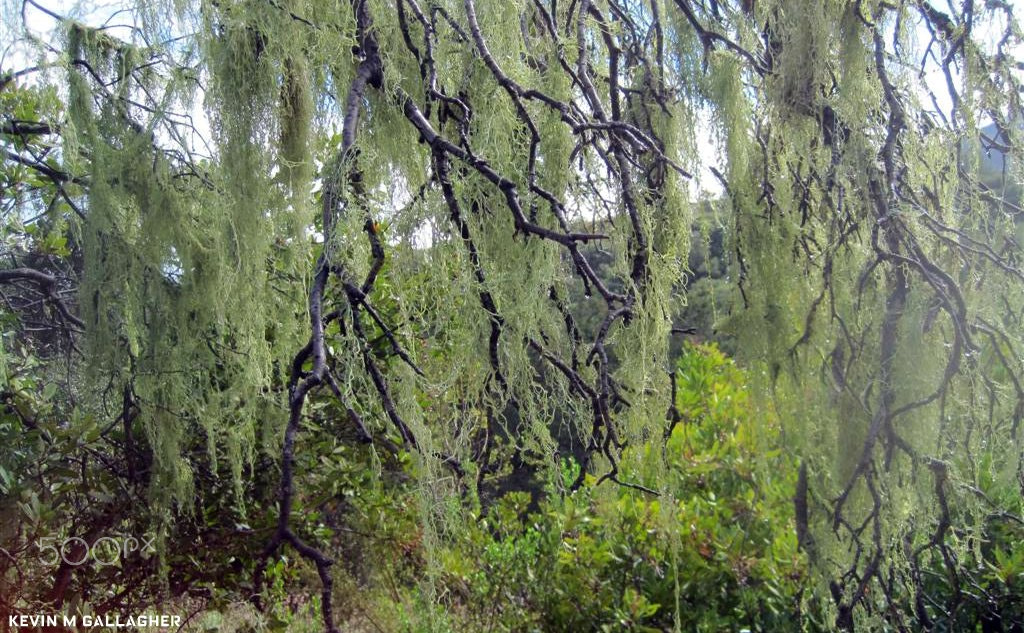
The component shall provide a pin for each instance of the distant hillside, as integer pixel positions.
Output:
(992, 161)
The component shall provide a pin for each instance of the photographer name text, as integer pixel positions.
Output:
(109, 621)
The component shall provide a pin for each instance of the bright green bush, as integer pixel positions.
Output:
(721, 556)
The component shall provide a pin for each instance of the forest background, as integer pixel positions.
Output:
(513, 315)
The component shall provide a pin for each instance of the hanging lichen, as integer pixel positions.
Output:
(462, 229)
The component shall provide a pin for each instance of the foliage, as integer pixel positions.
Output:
(245, 240)
(715, 552)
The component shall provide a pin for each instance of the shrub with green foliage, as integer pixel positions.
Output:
(714, 550)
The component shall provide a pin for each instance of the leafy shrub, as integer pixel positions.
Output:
(721, 555)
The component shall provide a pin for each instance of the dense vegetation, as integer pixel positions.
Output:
(410, 314)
